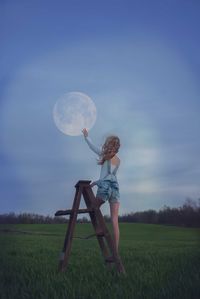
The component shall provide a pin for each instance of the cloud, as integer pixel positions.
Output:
(144, 91)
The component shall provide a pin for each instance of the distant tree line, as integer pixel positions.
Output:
(186, 215)
(31, 218)
(26, 218)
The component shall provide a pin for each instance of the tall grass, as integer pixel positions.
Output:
(160, 261)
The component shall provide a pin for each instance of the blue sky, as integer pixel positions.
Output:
(139, 62)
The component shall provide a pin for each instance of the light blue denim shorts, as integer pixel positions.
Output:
(108, 190)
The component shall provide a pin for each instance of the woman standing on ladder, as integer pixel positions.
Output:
(108, 187)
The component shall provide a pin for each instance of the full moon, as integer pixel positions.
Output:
(74, 111)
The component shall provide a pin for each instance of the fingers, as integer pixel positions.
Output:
(85, 132)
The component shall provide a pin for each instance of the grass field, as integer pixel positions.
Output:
(160, 261)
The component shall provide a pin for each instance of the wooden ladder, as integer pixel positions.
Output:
(101, 232)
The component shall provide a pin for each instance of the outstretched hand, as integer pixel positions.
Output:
(85, 132)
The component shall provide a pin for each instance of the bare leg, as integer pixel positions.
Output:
(114, 209)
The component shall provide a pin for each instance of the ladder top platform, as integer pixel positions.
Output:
(82, 182)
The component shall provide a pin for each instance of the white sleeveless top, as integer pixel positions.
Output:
(108, 171)
(112, 167)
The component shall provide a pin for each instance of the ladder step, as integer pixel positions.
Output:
(100, 234)
(68, 212)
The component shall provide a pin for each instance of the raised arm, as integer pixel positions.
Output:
(93, 147)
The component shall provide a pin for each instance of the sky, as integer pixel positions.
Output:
(138, 61)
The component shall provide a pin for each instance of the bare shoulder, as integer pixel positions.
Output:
(118, 159)
(115, 160)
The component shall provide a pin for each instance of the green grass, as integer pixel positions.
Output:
(160, 261)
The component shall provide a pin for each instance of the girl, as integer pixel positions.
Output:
(108, 187)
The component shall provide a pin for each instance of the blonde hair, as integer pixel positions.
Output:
(109, 148)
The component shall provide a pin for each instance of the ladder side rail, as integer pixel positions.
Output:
(89, 197)
(101, 225)
(110, 243)
(70, 230)
(108, 236)
(94, 222)
(101, 240)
